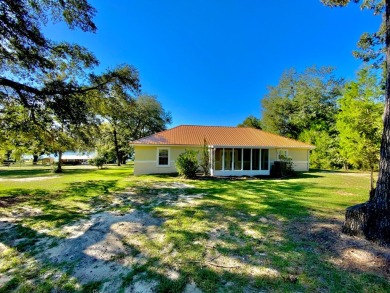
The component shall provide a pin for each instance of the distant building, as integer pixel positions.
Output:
(46, 161)
(76, 159)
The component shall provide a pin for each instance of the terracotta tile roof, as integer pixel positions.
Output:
(220, 136)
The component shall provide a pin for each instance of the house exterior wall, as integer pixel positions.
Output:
(146, 158)
(300, 158)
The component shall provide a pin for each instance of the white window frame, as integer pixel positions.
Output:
(158, 157)
(281, 150)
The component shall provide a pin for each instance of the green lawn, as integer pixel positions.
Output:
(165, 234)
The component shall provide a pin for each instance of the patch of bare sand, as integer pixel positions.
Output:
(96, 245)
(172, 185)
(346, 252)
(4, 279)
(344, 193)
(357, 174)
(191, 288)
(161, 193)
(3, 247)
(142, 286)
(28, 179)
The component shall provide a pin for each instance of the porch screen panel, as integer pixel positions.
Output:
(247, 159)
(264, 159)
(255, 159)
(228, 159)
(237, 159)
(218, 159)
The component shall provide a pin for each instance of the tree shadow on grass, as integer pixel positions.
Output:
(125, 171)
(56, 208)
(15, 196)
(67, 170)
(8, 174)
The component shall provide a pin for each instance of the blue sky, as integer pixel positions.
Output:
(210, 62)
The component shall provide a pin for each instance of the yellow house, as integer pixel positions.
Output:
(234, 151)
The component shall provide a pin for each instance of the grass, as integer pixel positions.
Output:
(219, 235)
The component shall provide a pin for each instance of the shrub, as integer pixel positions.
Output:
(205, 159)
(98, 162)
(187, 164)
(282, 168)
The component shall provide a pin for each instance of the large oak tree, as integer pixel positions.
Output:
(51, 80)
(372, 218)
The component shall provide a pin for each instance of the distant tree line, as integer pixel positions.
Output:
(51, 100)
(342, 119)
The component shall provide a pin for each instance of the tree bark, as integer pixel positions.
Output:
(356, 220)
(373, 217)
(35, 159)
(118, 158)
(371, 180)
(378, 222)
(59, 165)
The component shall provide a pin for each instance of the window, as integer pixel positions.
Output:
(163, 157)
(255, 159)
(237, 159)
(228, 159)
(264, 159)
(282, 154)
(218, 159)
(247, 159)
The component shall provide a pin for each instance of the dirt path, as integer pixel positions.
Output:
(28, 179)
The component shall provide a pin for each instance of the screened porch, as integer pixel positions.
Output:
(231, 161)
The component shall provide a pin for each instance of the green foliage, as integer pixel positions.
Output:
(149, 117)
(289, 170)
(47, 88)
(187, 164)
(205, 159)
(302, 101)
(359, 121)
(303, 106)
(326, 155)
(282, 168)
(99, 161)
(127, 118)
(46, 77)
(252, 122)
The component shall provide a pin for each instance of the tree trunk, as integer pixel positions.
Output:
(378, 222)
(355, 220)
(59, 165)
(35, 159)
(118, 159)
(371, 180)
(373, 218)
